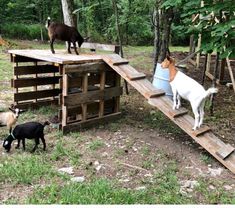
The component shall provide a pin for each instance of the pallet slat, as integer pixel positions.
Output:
(36, 94)
(224, 152)
(29, 82)
(91, 96)
(39, 69)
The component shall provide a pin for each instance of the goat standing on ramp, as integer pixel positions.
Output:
(29, 130)
(187, 88)
(65, 33)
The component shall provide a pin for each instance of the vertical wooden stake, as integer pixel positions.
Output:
(102, 87)
(84, 90)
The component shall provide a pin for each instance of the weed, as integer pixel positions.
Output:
(206, 158)
(96, 144)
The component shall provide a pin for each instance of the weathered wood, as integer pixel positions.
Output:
(29, 82)
(86, 68)
(177, 113)
(60, 57)
(105, 47)
(231, 73)
(78, 126)
(91, 96)
(102, 87)
(202, 130)
(117, 60)
(20, 59)
(225, 151)
(154, 93)
(136, 76)
(36, 94)
(38, 104)
(39, 69)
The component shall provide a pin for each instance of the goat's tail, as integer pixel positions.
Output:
(210, 91)
(46, 123)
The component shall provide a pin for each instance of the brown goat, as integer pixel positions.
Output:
(65, 33)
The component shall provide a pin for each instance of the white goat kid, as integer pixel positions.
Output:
(9, 118)
(187, 88)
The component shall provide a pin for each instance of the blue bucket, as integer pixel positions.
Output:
(161, 80)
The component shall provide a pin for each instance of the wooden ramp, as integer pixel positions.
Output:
(224, 153)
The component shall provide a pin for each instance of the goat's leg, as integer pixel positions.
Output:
(196, 116)
(174, 98)
(23, 144)
(201, 112)
(36, 145)
(44, 143)
(69, 45)
(18, 144)
(75, 48)
(178, 101)
(51, 45)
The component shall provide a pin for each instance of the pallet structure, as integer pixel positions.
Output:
(90, 93)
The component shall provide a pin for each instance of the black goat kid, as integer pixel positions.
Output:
(65, 33)
(29, 130)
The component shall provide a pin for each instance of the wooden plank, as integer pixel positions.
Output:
(38, 104)
(60, 57)
(39, 69)
(99, 46)
(136, 76)
(86, 68)
(102, 87)
(202, 130)
(92, 96)
(20, 59)
(78, 126)
(84, 90)
(36, 94)
(29, 82)
(225, 151)
(64, 93)
(116, 59)
(177, 113)
(154, 93)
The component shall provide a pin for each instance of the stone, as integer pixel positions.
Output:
(140, 188)
(78, 179)
(215, 172)
(228, 188)
(68, 170)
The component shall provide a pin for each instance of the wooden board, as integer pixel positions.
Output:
(38, 104)
(39, 69)
(28, 82)
(91, 96)
(60, 56)
(23, 96)
(78, 126)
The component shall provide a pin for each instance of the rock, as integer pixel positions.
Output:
(96, 163)
(211, 187)
(140, 188)
(215, 172)
(68, 170)
(187, 186)
(124, 180)
(228, 188)
(78, 179)
(98, 167)
(104, 154)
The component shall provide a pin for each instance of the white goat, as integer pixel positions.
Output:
(9, 118)
(187, 88)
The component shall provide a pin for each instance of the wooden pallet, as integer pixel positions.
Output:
(224, 153)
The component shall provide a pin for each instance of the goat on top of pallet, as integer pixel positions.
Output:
(187, 88)
(10, 118)
(65, 33)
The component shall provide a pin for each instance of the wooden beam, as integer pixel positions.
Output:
(91, 96)
(39, 69)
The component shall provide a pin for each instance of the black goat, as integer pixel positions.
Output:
(29, 130)
(65, 33)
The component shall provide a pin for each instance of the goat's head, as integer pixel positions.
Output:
(7, 143)
(16, 111)
(167, 62)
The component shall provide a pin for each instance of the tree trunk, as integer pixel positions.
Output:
(69, 17)
(162, 20)
(117, 26)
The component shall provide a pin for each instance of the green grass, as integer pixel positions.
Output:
(96, 144)
(25, 169)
